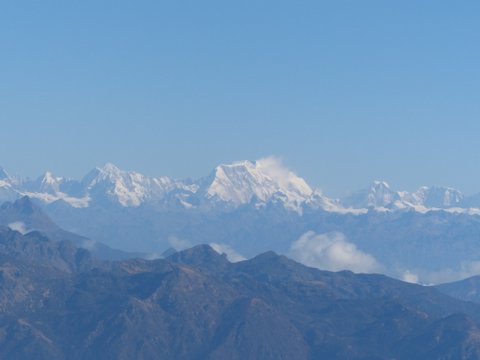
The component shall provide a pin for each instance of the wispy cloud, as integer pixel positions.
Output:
(275, 169)
(18, 226)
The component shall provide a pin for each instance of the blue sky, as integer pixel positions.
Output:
(344, 91)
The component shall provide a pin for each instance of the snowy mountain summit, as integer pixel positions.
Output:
(109, 183)
(243, 181)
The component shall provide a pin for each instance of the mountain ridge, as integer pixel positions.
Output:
(228, 185)
(24, 216)
(197, 305)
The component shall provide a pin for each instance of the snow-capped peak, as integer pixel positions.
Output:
(379, 184)
(126, 188)
(110, 169)
(435, 197)
(48, 179)
(49, 183)
(240, 182)
(261, 182)
(110, 174)
(379, 194)
(7, 190)
(106, 172)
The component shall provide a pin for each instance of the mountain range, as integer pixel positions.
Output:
(245, 208)
(228, 185)
(59, 302)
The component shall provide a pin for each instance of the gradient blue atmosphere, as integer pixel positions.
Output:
(344, 92)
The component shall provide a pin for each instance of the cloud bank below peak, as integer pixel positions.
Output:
(333, 252)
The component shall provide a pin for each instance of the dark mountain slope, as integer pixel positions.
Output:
(454, 337)
(197, 305)
(466, 290)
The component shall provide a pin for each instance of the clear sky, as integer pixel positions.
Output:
(344, 91)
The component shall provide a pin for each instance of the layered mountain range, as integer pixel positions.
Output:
(69, 288)
(59, 302)
(430, 235)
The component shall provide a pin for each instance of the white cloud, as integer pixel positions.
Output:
(273, 167)
(18, 226)
(179, 244)
(232, 255)
(332, 252)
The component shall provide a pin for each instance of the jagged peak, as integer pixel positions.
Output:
(4, 174)
(225, 171)
(113, 173)
(380, 184)
(240, 163)
(200, 254)
(25, 205)
(49, 178)
(436, 196)
(110, 168)
(438, 188)
(108, 171)
(378, 194)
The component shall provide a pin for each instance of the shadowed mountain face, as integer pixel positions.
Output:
(25, 216)
(466, 290)
(57, 303)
